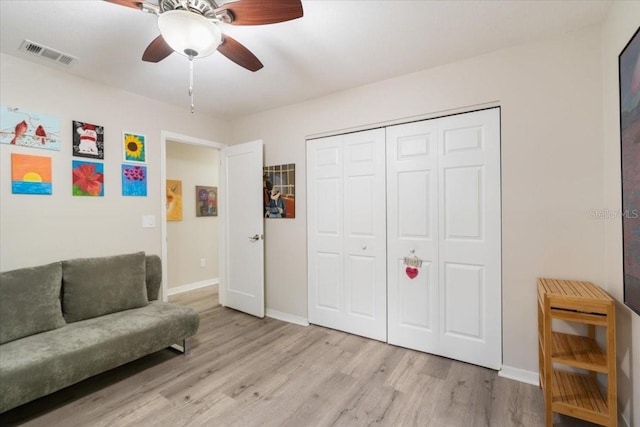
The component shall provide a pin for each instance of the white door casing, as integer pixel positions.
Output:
(242, 228)
(347, 233)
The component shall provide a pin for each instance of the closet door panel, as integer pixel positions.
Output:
(325, 231)
(412, 209)
(365, 234)
(469, 238)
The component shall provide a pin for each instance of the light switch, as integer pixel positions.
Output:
(148, 221)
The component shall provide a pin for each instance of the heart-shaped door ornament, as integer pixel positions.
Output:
(411, 272)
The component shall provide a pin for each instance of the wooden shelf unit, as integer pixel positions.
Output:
(570, 393)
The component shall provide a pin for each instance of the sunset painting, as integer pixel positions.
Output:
(30, 174)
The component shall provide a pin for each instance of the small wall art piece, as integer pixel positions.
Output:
(30, 174)
(134, 148)
(88, 178)
(279, 187)
(88, 140)
(28, 129)
(629, 68)
(134, 180)
(206, 201)
(174, 200)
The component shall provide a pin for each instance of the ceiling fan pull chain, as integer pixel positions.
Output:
(193, 108)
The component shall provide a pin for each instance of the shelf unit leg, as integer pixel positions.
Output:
(548, 374)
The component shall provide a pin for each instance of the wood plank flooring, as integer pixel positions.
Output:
(245, 371)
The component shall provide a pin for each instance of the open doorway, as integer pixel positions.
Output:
(190, 221)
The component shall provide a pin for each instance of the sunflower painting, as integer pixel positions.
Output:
(134, 148)
(88, 179)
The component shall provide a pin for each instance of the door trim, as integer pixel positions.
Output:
(183, 139)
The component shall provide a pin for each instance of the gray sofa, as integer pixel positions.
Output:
(63, 322)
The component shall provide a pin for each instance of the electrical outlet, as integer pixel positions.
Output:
(203, 262)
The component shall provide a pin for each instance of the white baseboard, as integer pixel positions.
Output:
(193, 286)
(518, 374)
(287, 317)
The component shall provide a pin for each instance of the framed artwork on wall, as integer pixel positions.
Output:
(28, 129)
(629, 69)
(88, 140)
(206, 201)
(134, 148)
(30, 174)
(174, 200)
(134, 180)
(279, 186)
(88, 178)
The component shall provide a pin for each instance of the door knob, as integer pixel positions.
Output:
(364, 247)
(254, 238)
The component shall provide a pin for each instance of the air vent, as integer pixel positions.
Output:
(48, 53)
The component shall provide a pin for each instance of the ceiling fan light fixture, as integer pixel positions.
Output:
(188, 33)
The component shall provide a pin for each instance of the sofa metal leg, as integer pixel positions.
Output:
(185, 348)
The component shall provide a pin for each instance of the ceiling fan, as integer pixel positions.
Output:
(190, 27)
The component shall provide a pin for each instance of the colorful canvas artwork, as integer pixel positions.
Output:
(88, 178)
(30, 174)
(134, 148)
(174, 200)
(28, 129)
(88, 140)
(629, 68)
(134, 180)
(206, 201)
(279, 191)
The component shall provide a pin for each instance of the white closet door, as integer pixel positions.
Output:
(470, 237)
(412, 230)
(347, 233)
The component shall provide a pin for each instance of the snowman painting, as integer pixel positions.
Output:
(88, 140)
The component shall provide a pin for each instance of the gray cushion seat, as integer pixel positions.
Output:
(109, 322)
(40, 364)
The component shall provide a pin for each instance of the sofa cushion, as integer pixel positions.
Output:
(92, 287)
(43, 363)
(30, 301)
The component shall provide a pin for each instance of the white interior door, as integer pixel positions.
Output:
(412, 231)
(470, 273)
(347, 233)
(242, 228)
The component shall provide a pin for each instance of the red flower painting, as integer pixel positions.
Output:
(88, 179)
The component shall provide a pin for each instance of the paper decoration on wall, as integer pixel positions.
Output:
(134, 148)
(88, 178)
(279, 186)
(206, 201)
(174, 200)
(30, 174)
(88, 140)
(134, 180)
(28, 129)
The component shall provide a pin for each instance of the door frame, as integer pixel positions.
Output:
(166, 136)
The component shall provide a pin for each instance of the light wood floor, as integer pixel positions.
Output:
(245, 371)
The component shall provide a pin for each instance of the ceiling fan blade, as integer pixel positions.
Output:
(157, 50)
(239, 54)
(135, 4)
(259, 12)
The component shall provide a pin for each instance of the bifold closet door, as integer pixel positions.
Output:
(347, 233)
(443, 188)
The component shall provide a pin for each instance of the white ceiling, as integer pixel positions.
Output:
(338, 44)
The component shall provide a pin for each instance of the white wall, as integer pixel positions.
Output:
(621, 23)
(40, 229)
(552, 172)
(194, 237)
